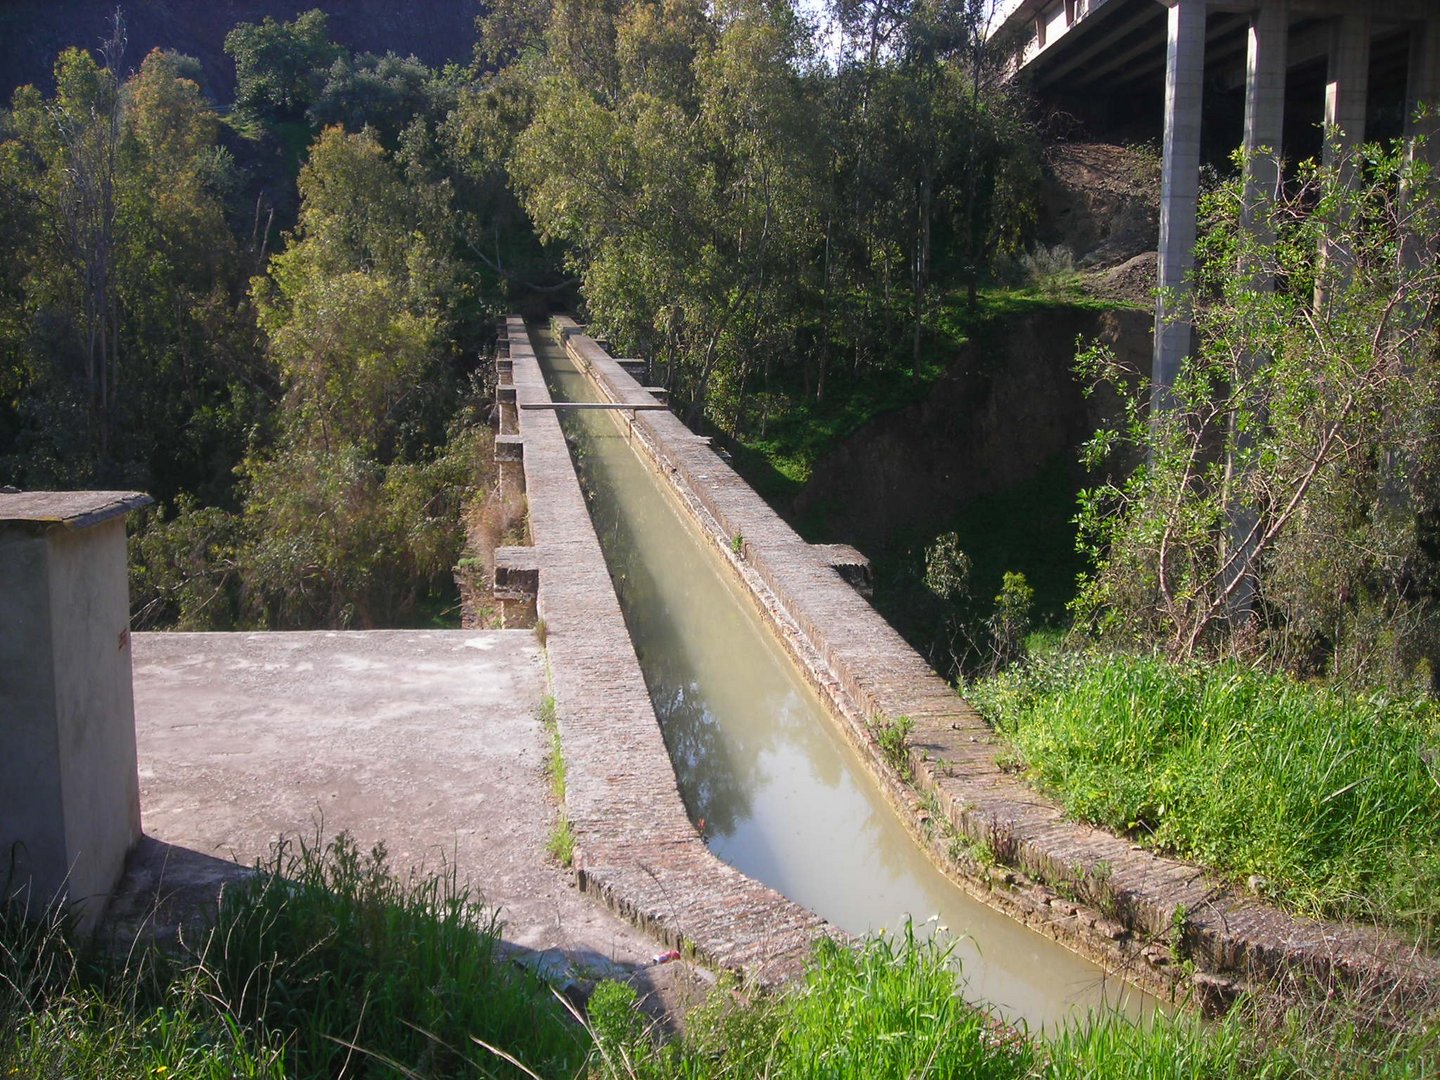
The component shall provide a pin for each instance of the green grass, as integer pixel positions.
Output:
(325, 963)
(885, 1009)
(1324, 801)
(888, 1009)
(347, 962)
(64, 1015)
(339, 968)
(561, 844)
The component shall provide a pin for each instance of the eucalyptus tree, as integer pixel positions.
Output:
(352, 513)
(280, 68)
(685, 185)
(934, 137)
(123, 287)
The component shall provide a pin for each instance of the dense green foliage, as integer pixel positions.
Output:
(124, 321)
(768, 225)
(758, 222)
(280, 67)
(1325, 801)
(1285, 501)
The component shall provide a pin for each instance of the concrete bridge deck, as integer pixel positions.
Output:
(426, 740)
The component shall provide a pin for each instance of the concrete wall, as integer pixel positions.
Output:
(69, 793)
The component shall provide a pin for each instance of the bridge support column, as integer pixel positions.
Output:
(1264, 129)
(1346, 88)
(1264, 106)
(1179, 189)
(1422, 134)
(1424, 91)
(1346, 80)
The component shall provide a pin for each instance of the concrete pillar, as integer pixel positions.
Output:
(1179, 189)
(1264, 129)
(1346, 90)
(1422, 119)
(1347, 79)
(1264, 106)
(69, 791)
(1424, 90)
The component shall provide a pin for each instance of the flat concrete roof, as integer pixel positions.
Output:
(74, 509)
(426, 740)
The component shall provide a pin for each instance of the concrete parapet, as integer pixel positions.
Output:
(635, 847)
(509, 448)
(510, 457)
(518, 570)
(517, 585)
(69, 792)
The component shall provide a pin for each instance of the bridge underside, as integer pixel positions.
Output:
(1209, 76)
(1107, 71)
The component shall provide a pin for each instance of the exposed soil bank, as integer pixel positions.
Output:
(1008, 405)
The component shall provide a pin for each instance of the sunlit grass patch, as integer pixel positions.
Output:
(1325, 801)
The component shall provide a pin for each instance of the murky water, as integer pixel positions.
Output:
(776, 790)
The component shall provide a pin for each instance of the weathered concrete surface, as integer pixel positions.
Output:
(634, 844)
(69, 806)
(1136, 902)
(426, 740)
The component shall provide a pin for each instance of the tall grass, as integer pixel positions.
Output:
(354, 968)
(370, 982)
(1324, 801)
(62, 1014)
(885, 1009)
(324, 964)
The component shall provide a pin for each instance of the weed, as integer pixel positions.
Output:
(737, 545)
(542, 632)
(555, 756)
(1000, 838)
(561, 844)
(1180, 934)
(893, 738)
(562, 838)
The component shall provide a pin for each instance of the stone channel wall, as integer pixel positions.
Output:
(635, 846)
(1161, 923)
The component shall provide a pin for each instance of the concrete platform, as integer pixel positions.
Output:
(427, 740)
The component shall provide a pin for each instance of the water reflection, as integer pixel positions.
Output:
(762, 768)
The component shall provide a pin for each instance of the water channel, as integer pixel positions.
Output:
(765, 775)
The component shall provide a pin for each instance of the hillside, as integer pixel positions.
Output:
(32, 32)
